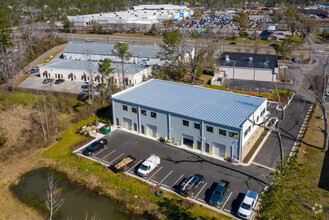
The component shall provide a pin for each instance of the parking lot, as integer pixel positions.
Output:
(177, 164)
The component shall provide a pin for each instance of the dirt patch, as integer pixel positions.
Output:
(187, 204)
(125, 177)
(84, 142)
(152, 189)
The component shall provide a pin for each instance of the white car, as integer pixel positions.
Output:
(248, 205)
(148, 165)
(320, 51)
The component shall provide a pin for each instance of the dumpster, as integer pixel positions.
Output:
(106, 129)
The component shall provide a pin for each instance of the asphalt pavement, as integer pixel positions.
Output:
(178, 163)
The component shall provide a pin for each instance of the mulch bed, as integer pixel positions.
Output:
(80, 144)
(153, 189)
(125, 177)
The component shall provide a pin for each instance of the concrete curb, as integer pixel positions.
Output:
(301, 132)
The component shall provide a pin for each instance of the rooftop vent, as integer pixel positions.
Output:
(227, 57)
(250, 58)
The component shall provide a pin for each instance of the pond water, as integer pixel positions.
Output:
(78, 200)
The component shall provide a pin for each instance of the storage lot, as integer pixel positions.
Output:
(177, 164)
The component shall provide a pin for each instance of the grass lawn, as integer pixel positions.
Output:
(284, 94)
(18, 98)
(106, 182)
(50, 57)
(312, 156)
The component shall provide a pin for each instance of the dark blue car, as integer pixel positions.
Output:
(218, 194)
(94, 147)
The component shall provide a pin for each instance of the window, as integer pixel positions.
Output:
(125, 108)
(257, 119)
(246, 132)
(134, 110)
(222, 132)
(197, 126)
(143, 112)
(210, 129)
(153, 115)
(186, 123)
(233, 135)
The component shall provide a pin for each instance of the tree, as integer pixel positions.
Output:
(243, 20)
(197, 56)
(288, 45)
(53, 202)
(5, 34)
(121, 51)
(288, 195)
(105, 69)
(170, 52)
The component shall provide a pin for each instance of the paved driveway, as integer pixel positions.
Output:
(177, 164)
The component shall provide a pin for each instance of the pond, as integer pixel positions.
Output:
(78, 200)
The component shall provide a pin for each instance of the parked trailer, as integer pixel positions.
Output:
(124, 164)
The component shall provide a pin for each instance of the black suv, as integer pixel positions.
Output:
(95, 146)
(190, 184)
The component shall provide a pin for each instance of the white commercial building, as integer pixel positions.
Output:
(82, 71)
(206, 121)
(141, 54)
(246, 66)
(138, 16)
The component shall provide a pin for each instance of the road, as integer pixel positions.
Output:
(239, 47)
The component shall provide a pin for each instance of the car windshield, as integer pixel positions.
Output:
(245, 206)
(216, 193)
(143, 167)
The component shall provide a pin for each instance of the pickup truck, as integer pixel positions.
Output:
(148, 165)
(217, 196)
(248, 205)
(190, 184)
(124, 164)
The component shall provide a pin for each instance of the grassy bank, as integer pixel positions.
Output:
(133, 193)
(284, 94)
(312, 156)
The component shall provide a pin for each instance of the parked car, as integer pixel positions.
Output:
(233, 43)
(124, 164)
(98, 86)
(190, 184)
(148, 165)
(59, 81)
(248, 205)
(320, 51)
(47, 81)
(89, 40)
(218, 194)
(94, 147)
(34, 70)
(85, 85)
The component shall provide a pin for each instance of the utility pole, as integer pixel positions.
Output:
(107, 36)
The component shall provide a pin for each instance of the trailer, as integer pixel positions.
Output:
(124, 164)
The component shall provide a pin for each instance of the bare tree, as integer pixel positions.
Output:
(53, 202)
(318, 84)
(93, 217)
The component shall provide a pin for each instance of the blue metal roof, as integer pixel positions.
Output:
(197, 102)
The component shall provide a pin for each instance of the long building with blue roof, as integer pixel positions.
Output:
(208, 121)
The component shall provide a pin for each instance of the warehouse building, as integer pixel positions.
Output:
(142, 16)
(141, 54)
(81, 71)
(203, 120)
(247, 66)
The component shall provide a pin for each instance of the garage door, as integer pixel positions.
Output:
(151, 130)
(127, 123)
(188, 141)
(219, 150)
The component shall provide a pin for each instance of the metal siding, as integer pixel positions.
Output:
(196, 102)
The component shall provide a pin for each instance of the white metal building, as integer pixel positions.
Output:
(141, 54)
(138, 16)
(207, 121)
(247, 66)
(81, 71)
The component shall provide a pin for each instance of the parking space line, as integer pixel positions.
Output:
(200, 191)
(108, 154)
(226, 200)
(201, 200)
(154, 173)
(177, 181)
(165, 177)
(135, 165)
(116, 158)
(100, 151)
(227, 210)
